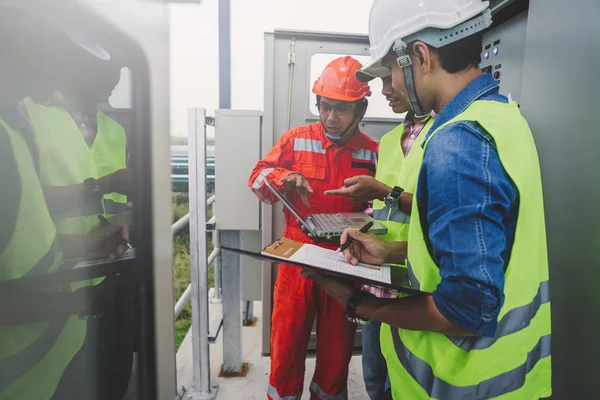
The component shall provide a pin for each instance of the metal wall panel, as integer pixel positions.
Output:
(509, 40)
(560, 101)
(237, 149)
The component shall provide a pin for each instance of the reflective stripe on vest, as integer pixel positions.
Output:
(17, 365)
(112, 207)
(46, 263)
(516, 362)
(437, 388)
(310, 145)
(33, 357)
(513, 321)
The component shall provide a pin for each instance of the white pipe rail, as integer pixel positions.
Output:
(180, 224)
(187, 293)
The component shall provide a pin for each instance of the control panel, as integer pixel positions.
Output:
(503, 55)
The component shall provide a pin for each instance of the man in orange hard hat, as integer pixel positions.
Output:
(306, 162)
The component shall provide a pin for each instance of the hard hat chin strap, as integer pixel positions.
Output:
(405, 63)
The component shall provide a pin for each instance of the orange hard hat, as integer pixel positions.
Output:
(338, 81)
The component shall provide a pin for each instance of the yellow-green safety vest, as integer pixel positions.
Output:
(515, 363)
(394, 169)
(66, 159)
(33, 357)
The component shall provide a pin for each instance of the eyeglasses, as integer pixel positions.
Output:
(340, 109)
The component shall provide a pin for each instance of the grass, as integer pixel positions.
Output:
(181, 263)
(179, 140)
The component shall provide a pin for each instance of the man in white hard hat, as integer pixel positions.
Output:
(477, 243)
(391, 190)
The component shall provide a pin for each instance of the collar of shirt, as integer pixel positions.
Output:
(410, 120)
(355, 143)
(478, 87)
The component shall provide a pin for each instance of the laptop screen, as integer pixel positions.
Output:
(288, 204)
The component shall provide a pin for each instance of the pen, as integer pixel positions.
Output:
(104, 223)
(350, 240)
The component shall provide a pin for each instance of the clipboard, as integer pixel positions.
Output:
(281, 252)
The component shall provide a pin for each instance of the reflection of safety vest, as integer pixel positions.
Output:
(66, 159)
(33, 357)
(395, 170)
(515, 363)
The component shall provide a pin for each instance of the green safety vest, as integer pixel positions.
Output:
(66, 159)
(515, 363)
(394, 169)
(33, 357)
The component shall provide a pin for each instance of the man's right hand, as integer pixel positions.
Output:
(361, 189)
(367, 248)
(300, 183)
(110, 242)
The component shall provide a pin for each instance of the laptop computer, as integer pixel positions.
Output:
(324, 225)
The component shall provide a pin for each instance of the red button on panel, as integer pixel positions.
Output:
(496, 74)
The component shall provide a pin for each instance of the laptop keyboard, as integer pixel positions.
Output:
(331, 222)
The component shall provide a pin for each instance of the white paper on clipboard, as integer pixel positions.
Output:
(128, 254)
(328, 260)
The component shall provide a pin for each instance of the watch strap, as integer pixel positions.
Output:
(351, 305)
(396, 192)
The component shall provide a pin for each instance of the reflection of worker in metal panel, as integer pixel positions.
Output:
(34, 352)
(81, 152)
(392, 189)
(81, 157)
(306, 162)
(41, 329)
(477, 238)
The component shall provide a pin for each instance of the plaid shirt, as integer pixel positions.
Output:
(412, 129)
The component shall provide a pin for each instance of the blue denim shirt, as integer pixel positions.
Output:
(468, 207)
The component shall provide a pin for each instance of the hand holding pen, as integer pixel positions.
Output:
(350, 239)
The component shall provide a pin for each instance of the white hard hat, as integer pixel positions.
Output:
(394, 23)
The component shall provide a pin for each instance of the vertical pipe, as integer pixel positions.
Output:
(198, 251)
(217, 265)
(232, 303)
(224, 54)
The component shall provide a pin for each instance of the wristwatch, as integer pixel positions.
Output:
(351, 305)
(91, 185)
(93, 194)
(392, 200)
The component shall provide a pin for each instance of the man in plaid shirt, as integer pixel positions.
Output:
(392, 191)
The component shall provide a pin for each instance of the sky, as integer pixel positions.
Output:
(194, 46)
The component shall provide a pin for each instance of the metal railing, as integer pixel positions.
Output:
(198, 291)
(211, 260)
(200, 261)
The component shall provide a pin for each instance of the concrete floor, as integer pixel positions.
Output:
(253, 386)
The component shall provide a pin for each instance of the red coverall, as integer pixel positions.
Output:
(297, 300)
